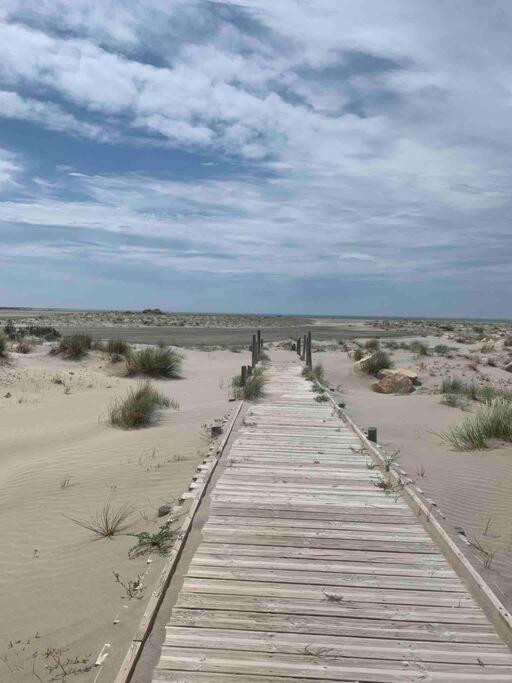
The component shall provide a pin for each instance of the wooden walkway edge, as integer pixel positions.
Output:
(309, 571)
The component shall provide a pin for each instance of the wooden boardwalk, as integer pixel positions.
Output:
(309, 572)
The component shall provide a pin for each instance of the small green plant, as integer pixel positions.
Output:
(322, 398)
(139, 408)
(108, 521)
(419, 348)
(75, 346)
(380, 360)
(133, 588)
(118, 347)
(372, 345)
(155, 362)
(160, 541)
(493, 422)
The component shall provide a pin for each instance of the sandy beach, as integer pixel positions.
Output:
(61, 459)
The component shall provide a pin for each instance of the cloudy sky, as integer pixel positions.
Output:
(328, 156)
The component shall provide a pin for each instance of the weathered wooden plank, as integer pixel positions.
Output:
(301, 565)
(348, 609)
(445, 634)
(335, 647)
(324, 668)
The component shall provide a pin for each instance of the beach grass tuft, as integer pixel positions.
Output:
(380, 360)
(108, 521)
(75, 346)
(139, 408)
(492, 422)
(155, 362)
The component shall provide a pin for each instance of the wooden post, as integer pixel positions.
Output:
(249, 370)
(372, 434)
(299, 352)
(254, 351)
(309, 359)
(259, 343)
(243, 375)
(304, 347)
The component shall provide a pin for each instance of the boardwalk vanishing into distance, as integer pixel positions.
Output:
(308, 571)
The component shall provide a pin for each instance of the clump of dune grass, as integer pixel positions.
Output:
(380, 360)
(155, 362)
(315, 373)
(139, 408)
(108, 521)
(419, 348)
(75, 346)
(474, 392)
(358, 353)
(442, 349)
(264, 357)
(24, 346)
(492, 422)
(3, 345)
(455, 401)
(254, 386)
(118, 347)
(372, 344)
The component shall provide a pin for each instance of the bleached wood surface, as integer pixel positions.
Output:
(309, 572)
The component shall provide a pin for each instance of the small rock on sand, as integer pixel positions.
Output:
(393, 384)
(164, 510)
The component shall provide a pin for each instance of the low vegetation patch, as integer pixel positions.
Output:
(118, 347)
(3, 345)
(418, 347)
(264, 357)
(139, 408)
(155, 362)
(314, 374)
(455, 401)
(380, 360)
(473, 391)
(108, 521)
(372, 345)
(492, 422)
(161, 541)
(23, 346)
(442, 349)
(358, 353)
(254, 387)
(321, 398)
(75, 346)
